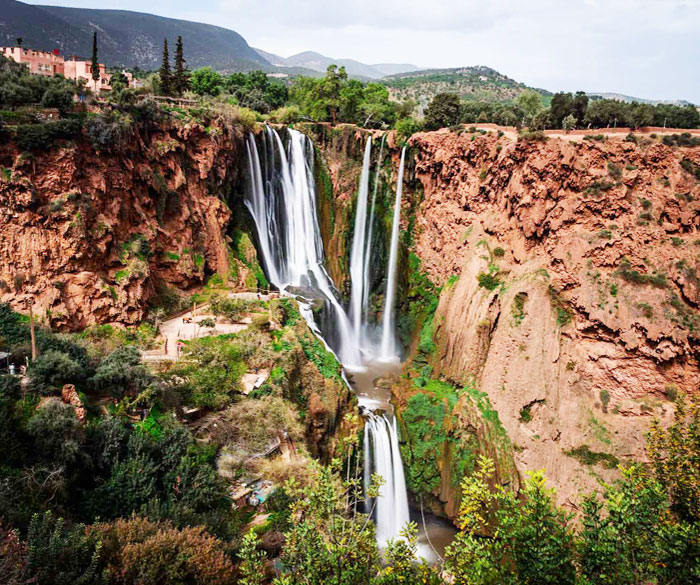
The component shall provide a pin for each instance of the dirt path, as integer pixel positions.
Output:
(187, 326)
(578, 135)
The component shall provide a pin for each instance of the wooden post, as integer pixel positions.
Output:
(31, 328)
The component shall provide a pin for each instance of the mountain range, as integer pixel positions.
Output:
(128, 39)
(317, 62)
(135, 39)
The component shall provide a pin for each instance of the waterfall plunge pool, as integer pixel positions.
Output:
(372, 387)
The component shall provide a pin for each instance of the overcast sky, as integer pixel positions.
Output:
(644, 48)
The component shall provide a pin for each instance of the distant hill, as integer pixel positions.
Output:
(477, 83)
(394, 68)
(313, 61)
(629, 99)
(130, 39)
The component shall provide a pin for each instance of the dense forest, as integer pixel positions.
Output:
(337, 98)
(99, 495)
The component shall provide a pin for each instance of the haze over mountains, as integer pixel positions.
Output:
(317, 62)
(134, 39)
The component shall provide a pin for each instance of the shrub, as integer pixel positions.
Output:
(630, 275)
(526, 413)
(286, 114)
(605, 399)
(140, 551)
(586, 456)
(406, 127)
(518, 307)
(488, 281)
(671, 392)
(598, 186)
(60, 98)
(646, 309)
(62, 555)
(499, 252)
(561, 308)
(534, 136)
(108, 130)
(44, 135)
(615, 171)
(13, 559)
(57, 433)
(51, 370)
(684, 139)
(691, 167)
(121, 372)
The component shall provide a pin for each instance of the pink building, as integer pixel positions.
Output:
(50, 64)
(77, 70)
(38, 62)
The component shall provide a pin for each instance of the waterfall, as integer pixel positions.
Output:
(370, 235)
(282, 202)
(284, 211)
(388, 349)
(392, 505)
(359, 279)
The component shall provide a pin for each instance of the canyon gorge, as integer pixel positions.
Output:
(545, 288)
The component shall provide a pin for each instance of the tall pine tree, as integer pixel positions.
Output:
(95, 66)
(166, 78)
(181, 82)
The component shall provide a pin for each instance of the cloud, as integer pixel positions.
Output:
(647, 48)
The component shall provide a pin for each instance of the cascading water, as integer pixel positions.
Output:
(282, 202)
(388, 349)
(392, 506)
(370, 235)
(284, 210)
(359, 278)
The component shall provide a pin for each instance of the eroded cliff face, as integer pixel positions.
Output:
(570, 290)
(92, 237)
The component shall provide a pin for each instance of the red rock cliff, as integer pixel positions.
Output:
(575, 307)
(91, 237)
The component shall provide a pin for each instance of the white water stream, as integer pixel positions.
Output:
(359, 277)
(388, 349)
(282, 201)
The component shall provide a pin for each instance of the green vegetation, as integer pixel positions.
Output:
(332, 98)
(489, 280)
(19, 88)
(443, 111)
(528, 542)
(691, 167)
(578, 110)
(325, 361)
(642, 530)
(418, 308)
(242, 250)
(517, 308)
(561, 307)
(684, 139)
(586, 456)
(431, 436)
(626, 272)
(526, 414)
